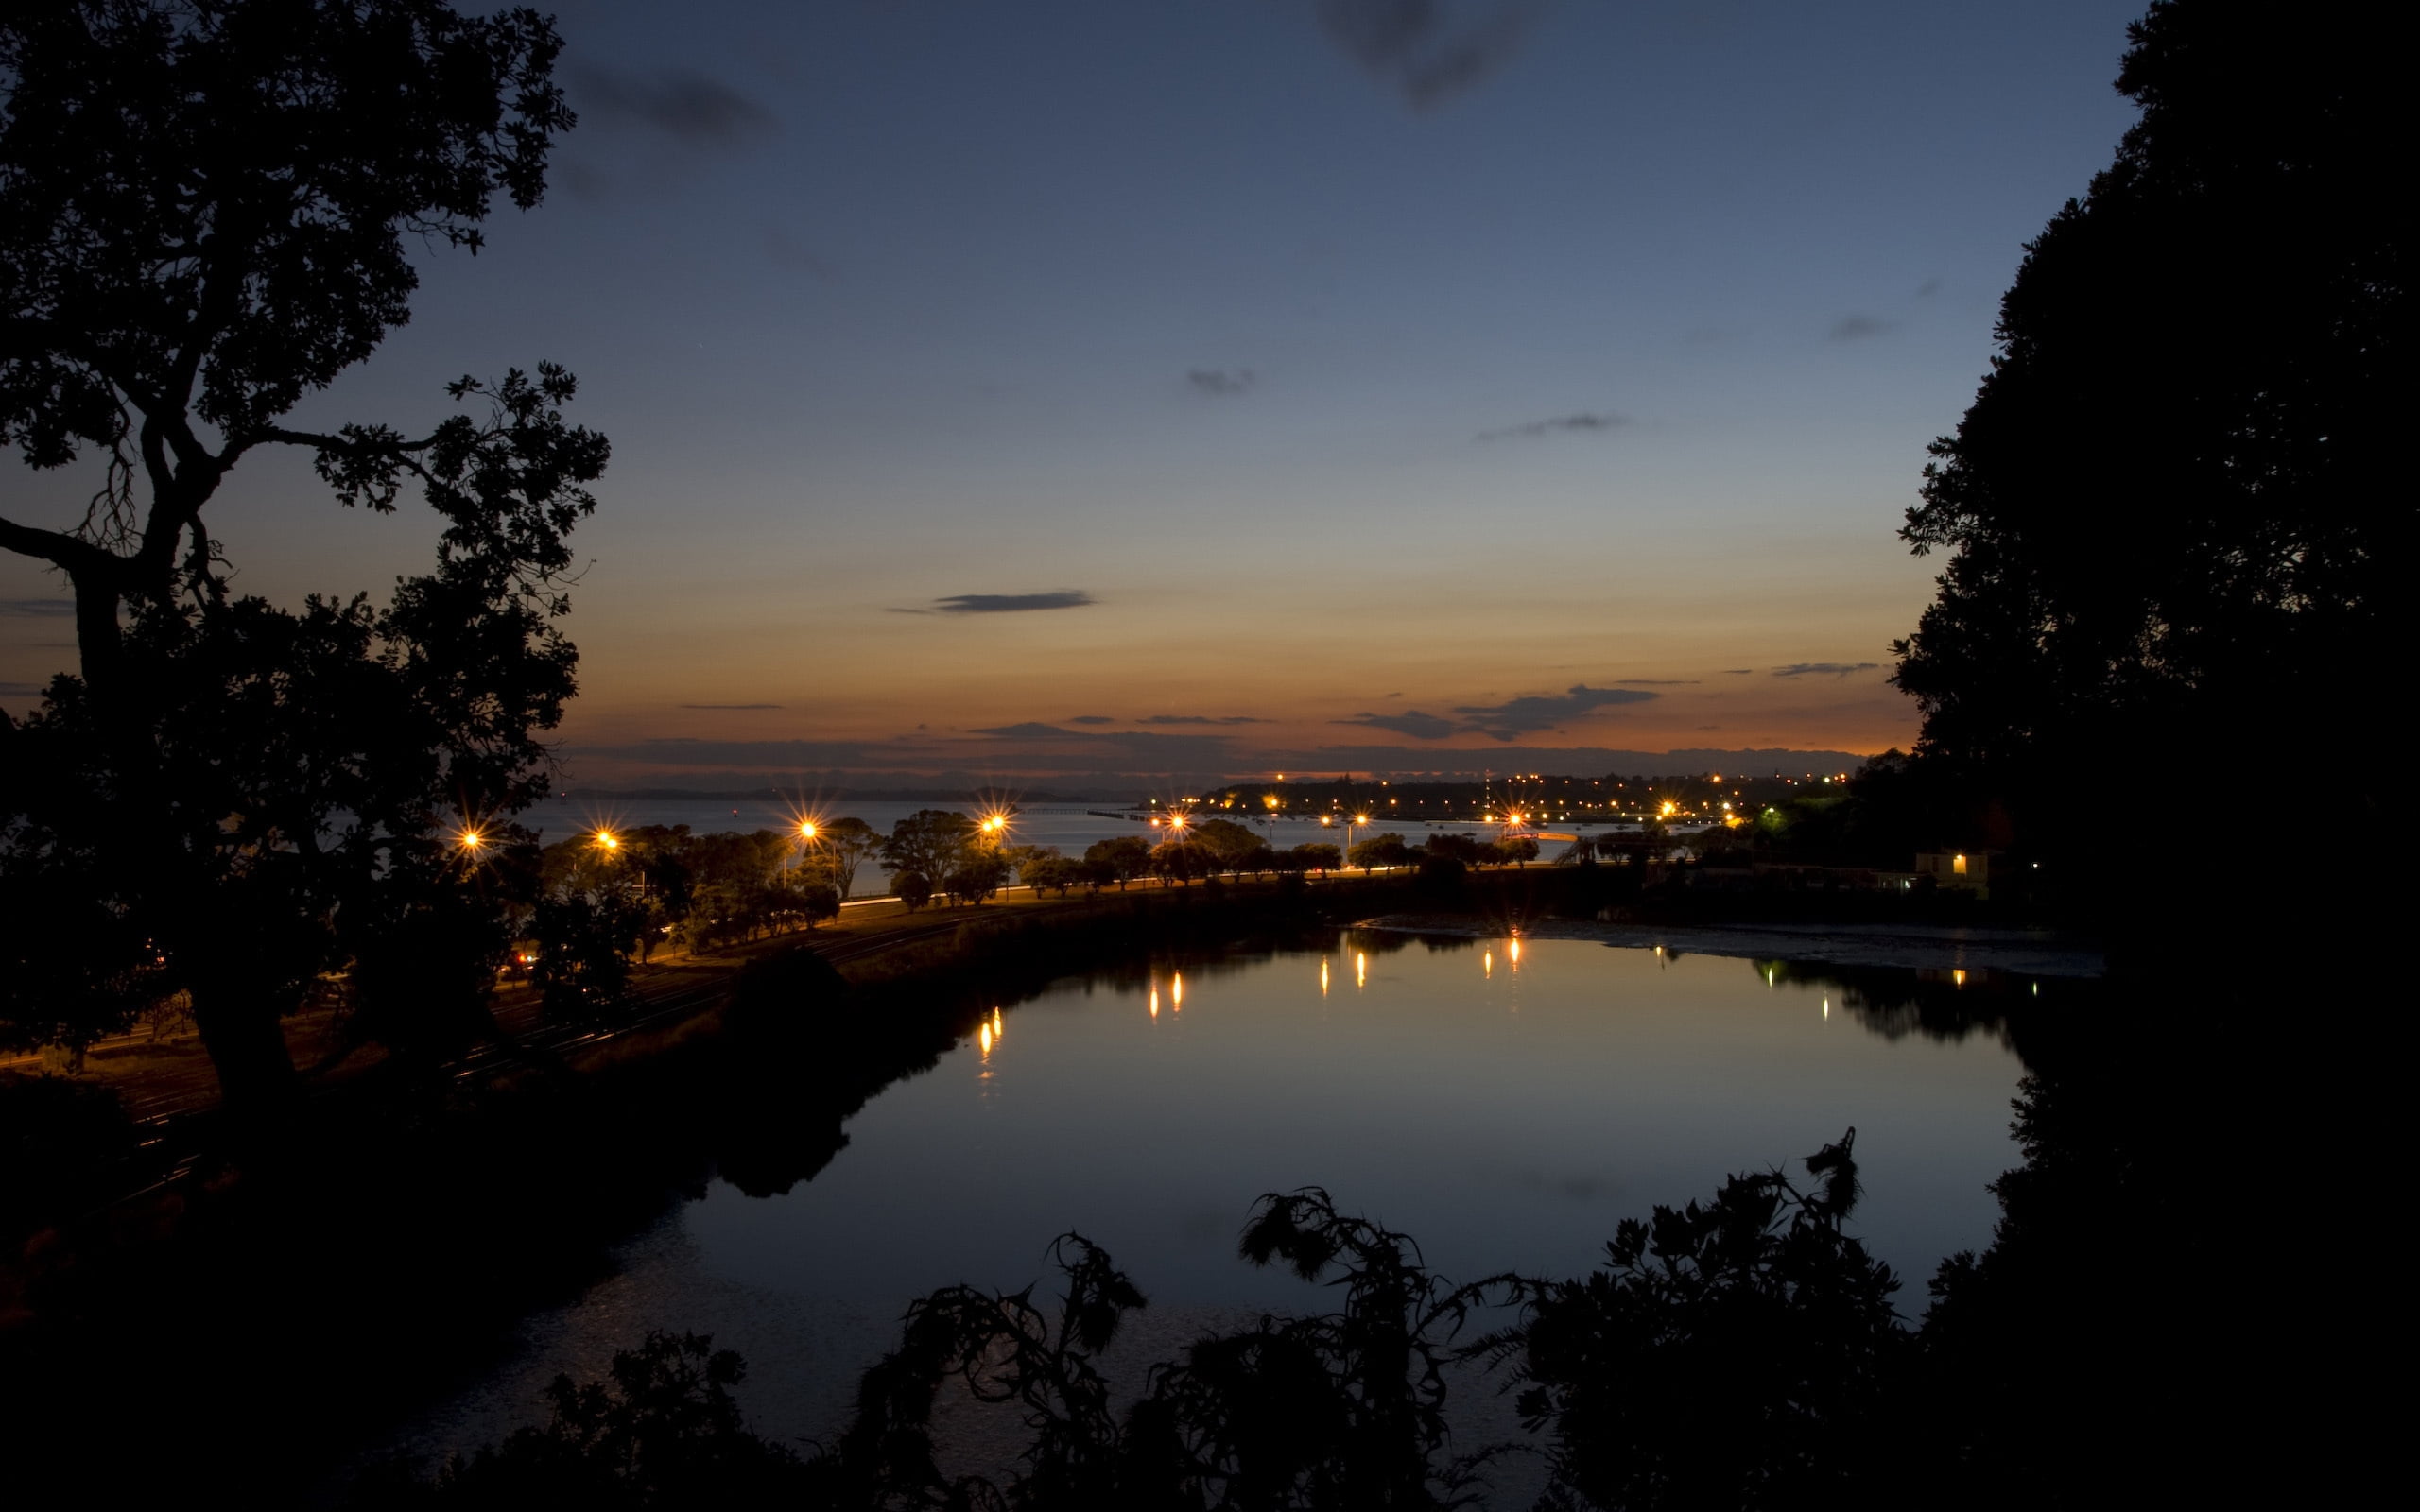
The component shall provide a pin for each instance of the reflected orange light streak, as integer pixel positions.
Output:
(1361, 970)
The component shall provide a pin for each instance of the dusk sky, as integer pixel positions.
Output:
(1229, 385)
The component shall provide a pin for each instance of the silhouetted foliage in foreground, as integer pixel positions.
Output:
(1730, 1353)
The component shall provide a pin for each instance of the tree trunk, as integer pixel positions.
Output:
(247, 1045)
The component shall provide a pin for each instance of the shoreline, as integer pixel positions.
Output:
(1904, 946)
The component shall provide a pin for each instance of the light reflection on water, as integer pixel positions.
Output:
(1505, 1118)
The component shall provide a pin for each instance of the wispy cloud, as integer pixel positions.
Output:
(1860, 327)
(731, 706)
(18, 690)
(1655, 682)
(1201, 719)
(45, 608)
(1224, 383)
(1004, 602)
(1410, 722)
(1422, 48)
(686, 106)
(786, 251)
(1559, 425)
(1028, 729)
(1927, 288)
(1529, 714)
(1092, 719)
(1824, 669)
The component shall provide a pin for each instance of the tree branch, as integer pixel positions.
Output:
(77, 557)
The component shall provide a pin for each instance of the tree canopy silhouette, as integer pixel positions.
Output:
(2174, 508)
(210, 203)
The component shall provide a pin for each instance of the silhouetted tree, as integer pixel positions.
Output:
(585, 942)
(2177, 507)
(976, 877)
(1447, 844)
(1732, 1354)
(1051, 871)
(844, 845)
(208, 203)
(914, 888)
(1223, 843)
(663, 1432)
(1387, 850)
(1124, 858)
(1317, 855)
(932, 841)
(1518, 852)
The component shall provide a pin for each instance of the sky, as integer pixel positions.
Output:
(1217, 387)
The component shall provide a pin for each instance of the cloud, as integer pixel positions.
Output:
(1740, 672)
(43, 608)
(1004, 602)
(1927, 288)
(1412, 722)
(731, 706)
(18, 690)
(1824, 669)
(1201, 719)
(1225, 382)
(1529, 714)
(688, 106)
(1560, 424)
(1860, 327)
(786, 251)
(1419, 49)
(1030, 729)
(1655, 682)
(1092, 719)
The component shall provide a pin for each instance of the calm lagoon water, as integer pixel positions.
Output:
(1506, 1114)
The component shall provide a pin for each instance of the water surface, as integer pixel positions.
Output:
(1504, 1111)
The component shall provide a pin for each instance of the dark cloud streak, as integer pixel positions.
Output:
(1824, 669)
(1004, 602)
(1412, 722)
(1861, 327)
(1559, 425)
(1419, 49)
(686, 106)
(1534, 712)
(1223, 383)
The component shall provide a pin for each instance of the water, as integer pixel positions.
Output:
(1506, 1114)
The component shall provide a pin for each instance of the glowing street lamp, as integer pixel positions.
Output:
(607, 840)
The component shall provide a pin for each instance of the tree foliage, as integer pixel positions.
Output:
(2176, 510)
(210, 206)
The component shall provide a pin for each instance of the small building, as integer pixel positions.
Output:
(1958, 871)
